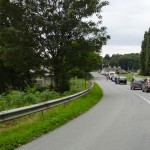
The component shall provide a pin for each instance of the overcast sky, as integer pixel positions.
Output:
(126, 20)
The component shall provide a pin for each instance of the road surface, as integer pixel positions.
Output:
(120, 121)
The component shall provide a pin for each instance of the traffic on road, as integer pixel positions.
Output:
(120, 121)
(136, 83)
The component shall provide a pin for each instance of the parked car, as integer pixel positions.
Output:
(136, 83)
(146, 85)
(122, 80)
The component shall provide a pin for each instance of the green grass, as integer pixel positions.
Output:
(20, 131)
(140, 76)
(129, 76)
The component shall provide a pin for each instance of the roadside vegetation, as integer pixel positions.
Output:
(49, 39)
(33, 95)
(20, 131)
(129, 76)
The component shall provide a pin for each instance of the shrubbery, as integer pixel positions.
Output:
(22, 130)
(34, 95)
(18, 98)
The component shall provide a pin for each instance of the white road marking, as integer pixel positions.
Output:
(141, 97)
(132, 92)
(136, 94)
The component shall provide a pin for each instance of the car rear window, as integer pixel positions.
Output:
(139, 80)
(123, 77)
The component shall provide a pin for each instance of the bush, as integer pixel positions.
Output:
(30, 98)
(14, 99)
(2, 103)
(34, 126)
(33, 95)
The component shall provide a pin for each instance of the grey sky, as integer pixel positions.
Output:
(126, 20)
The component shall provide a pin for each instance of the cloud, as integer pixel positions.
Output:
(120, 49)
(126, 21)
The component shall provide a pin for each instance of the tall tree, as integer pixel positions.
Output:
(143, 54)
(62, 23)
(17, 47)
(51, 30)
(147, 56)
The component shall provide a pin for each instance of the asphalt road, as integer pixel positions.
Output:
(121, 121)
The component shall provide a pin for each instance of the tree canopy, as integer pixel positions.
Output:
(126, 61)
(145, 54)
(55, 34)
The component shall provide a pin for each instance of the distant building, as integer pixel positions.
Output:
(117, 70)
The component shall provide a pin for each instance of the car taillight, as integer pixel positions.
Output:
(148, 81)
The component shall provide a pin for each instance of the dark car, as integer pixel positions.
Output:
(146, 85)
(136, 83)
(122, 80)
(114, 77)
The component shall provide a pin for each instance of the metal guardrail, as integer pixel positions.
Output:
(23, 111)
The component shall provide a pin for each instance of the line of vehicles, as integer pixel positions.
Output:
(115, 78)
(135, 83)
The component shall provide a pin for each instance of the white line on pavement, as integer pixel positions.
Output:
(136, 94)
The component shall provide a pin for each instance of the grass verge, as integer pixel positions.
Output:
(129, 76)
(20, 131)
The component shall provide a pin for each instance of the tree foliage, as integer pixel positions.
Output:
(145, 54)
(63, 29)
(17, 49)
(55, 34)
(126, 61)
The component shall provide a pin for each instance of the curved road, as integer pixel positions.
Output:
(121, 121)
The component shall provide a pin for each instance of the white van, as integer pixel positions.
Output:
(111, 73)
